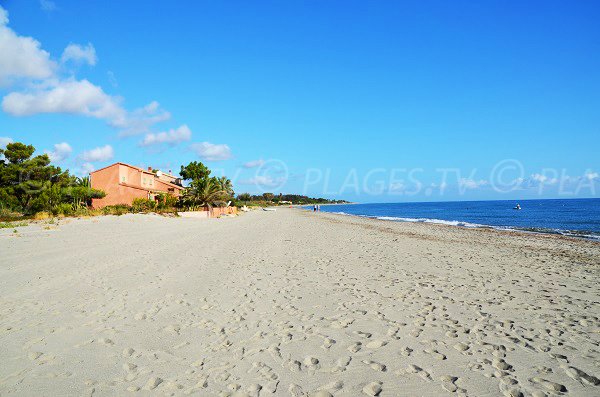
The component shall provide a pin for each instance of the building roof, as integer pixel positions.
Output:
(119, 163)
(134, 167)
(170, 184)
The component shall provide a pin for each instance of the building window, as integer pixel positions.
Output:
(122, 179)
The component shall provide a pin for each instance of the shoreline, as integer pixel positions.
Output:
(577, 234)
(423, 230)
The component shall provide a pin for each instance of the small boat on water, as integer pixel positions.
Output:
(269, 209)
(517, 207)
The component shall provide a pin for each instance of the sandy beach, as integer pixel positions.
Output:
(294, 303)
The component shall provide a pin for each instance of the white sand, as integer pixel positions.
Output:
(293, 303)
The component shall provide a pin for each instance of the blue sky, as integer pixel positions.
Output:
(368, 101)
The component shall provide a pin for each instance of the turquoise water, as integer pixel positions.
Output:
(573, 217)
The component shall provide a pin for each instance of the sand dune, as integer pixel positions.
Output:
(294, 303)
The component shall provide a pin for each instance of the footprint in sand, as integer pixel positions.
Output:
(372, 389)
(153, 383)
(448, 383)
(414, 369)
(580, 376)
(548, 385)
(435, 354)
(327, 343)
(376, 344)
(375, 365)
(128, 352)
(461, 347)
(406, 351)
(355, 347)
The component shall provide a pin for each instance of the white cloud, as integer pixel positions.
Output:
(80, 97)
(466, 183)
(171, 137)
(21, 57)
(140, 120)
(80, 54)
(4, 140)
(47, 5)
(61, 151)
(102, 153)
(71, 96)
(211, 152)
(254, 163)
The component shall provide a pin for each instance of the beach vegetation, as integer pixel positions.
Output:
(269, 199)
(203, 190)
(162, 203)
(41, 216)
(118, 209)
(7, 214)
(12, 225)
(194, 171)
(244, 197)
(30, 184)
(64, 209)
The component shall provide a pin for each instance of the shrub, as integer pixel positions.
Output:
(40, 216)
(118, 209)
(166, 201)
(94, 212)
(65, 209)
(143, 205)
(7, 214)
(81, 211)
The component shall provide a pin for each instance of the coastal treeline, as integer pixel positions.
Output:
(283, 199)
(30, 184)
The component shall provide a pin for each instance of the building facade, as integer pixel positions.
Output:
(123, 183)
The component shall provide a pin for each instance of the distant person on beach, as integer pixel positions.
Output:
(315, 208)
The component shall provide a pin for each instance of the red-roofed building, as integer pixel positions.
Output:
(123, 183)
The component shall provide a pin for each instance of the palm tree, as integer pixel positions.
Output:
(202, 193)
(85, 181)
(225, 186)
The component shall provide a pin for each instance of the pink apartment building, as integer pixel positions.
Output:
(123, 183)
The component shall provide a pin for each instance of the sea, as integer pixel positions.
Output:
(569, 217)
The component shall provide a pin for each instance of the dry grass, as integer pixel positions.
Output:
(40, 216)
